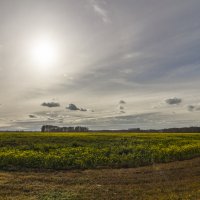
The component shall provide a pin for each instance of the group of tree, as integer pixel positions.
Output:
(50, 128)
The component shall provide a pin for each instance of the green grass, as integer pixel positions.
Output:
(94, 150)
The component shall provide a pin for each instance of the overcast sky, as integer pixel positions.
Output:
(118, 63)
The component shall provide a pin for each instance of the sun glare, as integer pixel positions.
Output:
(44, 53)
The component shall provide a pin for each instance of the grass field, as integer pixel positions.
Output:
(35, 166)
(61, 151)
(179, 180)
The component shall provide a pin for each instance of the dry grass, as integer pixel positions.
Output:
(177, 180)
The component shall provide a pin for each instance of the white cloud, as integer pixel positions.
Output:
(100, 11)
(111, 50)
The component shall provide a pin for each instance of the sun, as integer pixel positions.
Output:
(44, 53)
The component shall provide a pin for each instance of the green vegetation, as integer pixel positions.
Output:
(94, 150)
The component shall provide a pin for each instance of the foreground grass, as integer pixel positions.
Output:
(178, 180)
(94, 150)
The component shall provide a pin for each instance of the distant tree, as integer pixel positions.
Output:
(43, 129)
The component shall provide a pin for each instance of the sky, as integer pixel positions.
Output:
(105, 64)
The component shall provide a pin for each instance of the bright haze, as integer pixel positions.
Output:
(105, 64)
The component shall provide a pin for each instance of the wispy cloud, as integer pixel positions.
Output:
(100, 10)
(111, 51)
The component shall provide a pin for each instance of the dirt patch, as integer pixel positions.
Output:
(176, 180)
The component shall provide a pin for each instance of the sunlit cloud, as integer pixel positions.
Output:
(117, 58)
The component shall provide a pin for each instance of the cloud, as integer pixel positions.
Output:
(72, 107)
(173, 101)
(83, 109)
(192, 108)
(121, 107)
(100, 11)
(75, 108)
(32, 116)
(146, 53)
(122, 102)
(50, 104)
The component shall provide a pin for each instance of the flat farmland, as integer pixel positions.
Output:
(62, 166)
(61, 151)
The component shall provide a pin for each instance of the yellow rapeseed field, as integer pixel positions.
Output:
(94, 150)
